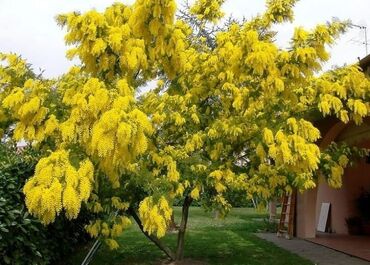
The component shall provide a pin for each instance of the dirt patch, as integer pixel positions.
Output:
(183, 262)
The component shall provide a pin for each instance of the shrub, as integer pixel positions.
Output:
(23, 239)
(239, 199)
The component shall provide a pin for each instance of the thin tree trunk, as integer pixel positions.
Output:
(254, 203)
(182, 229)
(272, 211)
(153, 238)
(172, 225)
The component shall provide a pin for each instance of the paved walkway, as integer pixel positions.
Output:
(356, 246)
(319, 255)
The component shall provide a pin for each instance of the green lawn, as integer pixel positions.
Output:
(215, 241)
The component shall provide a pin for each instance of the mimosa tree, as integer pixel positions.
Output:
(231, 111)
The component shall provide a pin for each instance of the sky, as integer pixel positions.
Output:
(28, 27)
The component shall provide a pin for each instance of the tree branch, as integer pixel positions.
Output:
(181, 234)
(152, 238)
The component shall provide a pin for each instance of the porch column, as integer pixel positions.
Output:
(306, 214)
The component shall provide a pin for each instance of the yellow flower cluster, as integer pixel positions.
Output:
(125, 38)
(223, 179)
(208, 10)
(344, 94)
(106, 121)
(94, 33)
(13, 69)
(13, 72)
(194, 143)
(335, 159)
(167, 160)
(261, 56)
(294, 152)
(58, 185)
(195, 193)
(279, 10)
(27, 105)
(109, 230)
(87, 102)
(155, 216)
(266, 180)
(119, 136)
(118, 204)
(221, 204)
(337, 171)
(335, 179)
(231, 111)
(158, 14)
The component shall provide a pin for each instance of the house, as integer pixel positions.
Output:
(365, 64)
(342, 201)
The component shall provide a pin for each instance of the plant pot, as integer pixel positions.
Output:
(354, 230)
(354, 225)
(366, 227)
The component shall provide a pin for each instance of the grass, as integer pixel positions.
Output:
(229, 241)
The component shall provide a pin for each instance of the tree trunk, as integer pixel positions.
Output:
(254, 203)
(153, 238)
(216, 214)
(181, 234)
(172, 227)
(272, 211)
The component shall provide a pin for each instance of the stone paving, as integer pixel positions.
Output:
(318, 254)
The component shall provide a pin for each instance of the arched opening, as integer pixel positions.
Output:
(343, 200)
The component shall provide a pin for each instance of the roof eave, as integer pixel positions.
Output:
(365, 62)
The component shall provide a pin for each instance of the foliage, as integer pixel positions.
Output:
(270, 226)
(354, 225)
(363, 205)
(23, 239)
(236, 199)
(231, 112)
(336, 158)
(360, 225)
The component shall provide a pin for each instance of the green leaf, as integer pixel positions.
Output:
(4, 229)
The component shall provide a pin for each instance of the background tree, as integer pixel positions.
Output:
(231, 111)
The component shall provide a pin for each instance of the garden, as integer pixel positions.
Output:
(209, 240)
(169, 135)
